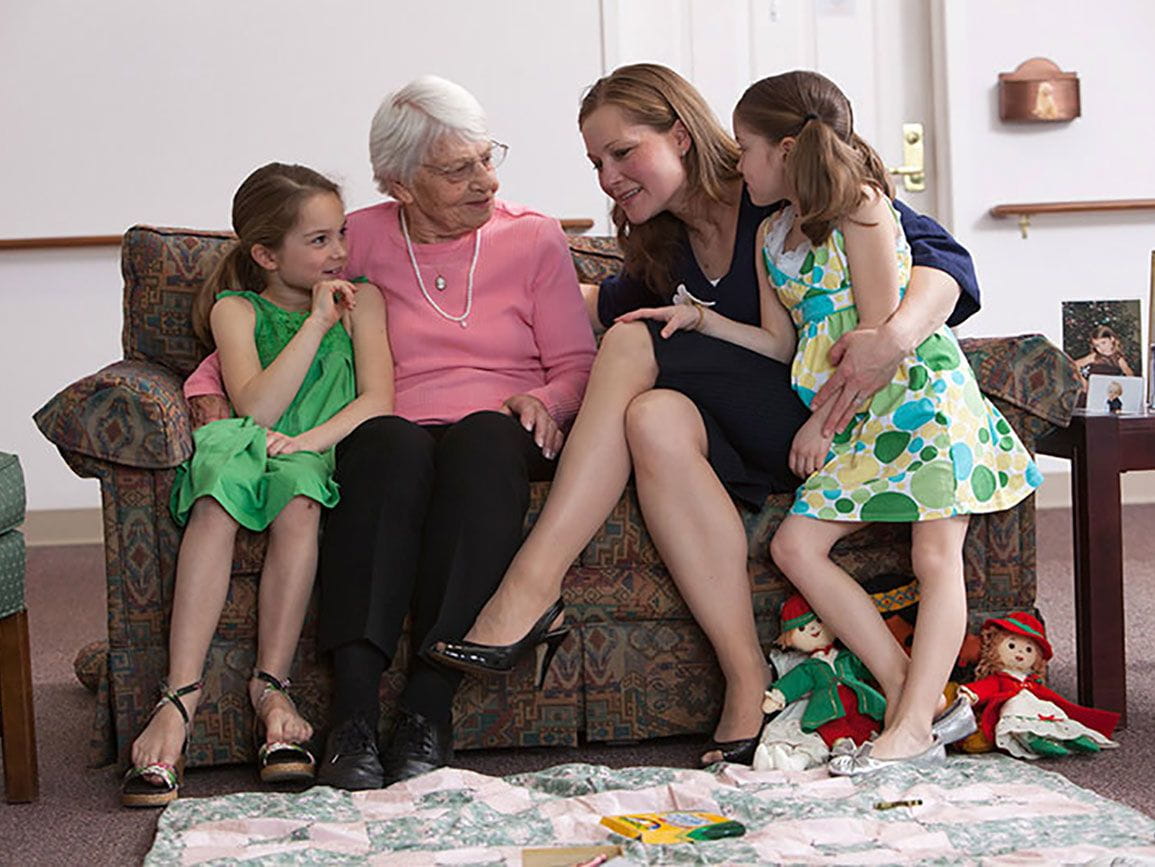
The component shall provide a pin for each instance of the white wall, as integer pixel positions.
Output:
(1104, 154)
(129, 111)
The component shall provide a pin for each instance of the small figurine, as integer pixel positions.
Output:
(843, 709)
(1020, 714)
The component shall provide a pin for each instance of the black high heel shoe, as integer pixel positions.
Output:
(739, 752)
(503, 658)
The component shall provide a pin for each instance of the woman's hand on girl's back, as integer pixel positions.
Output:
(331, 299)
(678, 317)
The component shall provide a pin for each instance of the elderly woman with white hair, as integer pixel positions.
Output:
(492, 348)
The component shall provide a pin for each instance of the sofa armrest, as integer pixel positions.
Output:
(1028, 372)
(131, 413)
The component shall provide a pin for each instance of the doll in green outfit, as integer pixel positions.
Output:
(288, 329)
(844, 709)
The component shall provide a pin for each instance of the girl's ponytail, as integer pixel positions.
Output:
(236, 270)
(827, 176)
(876, 172)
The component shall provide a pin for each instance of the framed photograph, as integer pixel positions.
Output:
(1151, 338)
(1104, 338)
(1118, 394)
(1151, 377)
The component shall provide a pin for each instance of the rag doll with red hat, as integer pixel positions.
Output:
(1019, 713)
(843, 708)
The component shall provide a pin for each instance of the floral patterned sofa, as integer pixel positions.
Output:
(635, 667)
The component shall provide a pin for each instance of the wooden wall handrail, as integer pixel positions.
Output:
(1026, 211)
(1073, 207)
(50, 243)
(572, 226)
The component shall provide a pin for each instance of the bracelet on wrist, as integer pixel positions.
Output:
(701, 315)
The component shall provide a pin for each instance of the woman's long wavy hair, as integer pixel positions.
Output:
(829, 165)
(265, 207)
(657, 97)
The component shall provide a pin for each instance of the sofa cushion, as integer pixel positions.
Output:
(163, 269)
(11, 492)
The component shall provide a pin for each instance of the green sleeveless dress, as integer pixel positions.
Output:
(230, 462)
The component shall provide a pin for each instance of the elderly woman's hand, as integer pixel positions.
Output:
(535, 418)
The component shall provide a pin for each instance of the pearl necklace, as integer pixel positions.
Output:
(460, 320)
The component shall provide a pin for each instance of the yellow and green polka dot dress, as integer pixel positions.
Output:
(929, 445)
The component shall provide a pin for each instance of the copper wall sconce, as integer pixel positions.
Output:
(1038, 92)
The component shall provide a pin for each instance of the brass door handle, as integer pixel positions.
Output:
(912, 170)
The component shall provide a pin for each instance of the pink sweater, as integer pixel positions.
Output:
(528, 331)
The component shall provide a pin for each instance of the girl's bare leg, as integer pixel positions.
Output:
(591, 475)
(700, 535)
(936, 555)
(801, 548)
(286, 585)
(202, 583)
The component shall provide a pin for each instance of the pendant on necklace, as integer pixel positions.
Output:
(439, 284)
(464, 324)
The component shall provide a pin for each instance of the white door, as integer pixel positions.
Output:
(878, 51)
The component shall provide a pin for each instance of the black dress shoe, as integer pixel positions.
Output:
(419, 746)
(352, 760)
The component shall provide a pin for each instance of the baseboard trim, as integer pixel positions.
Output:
(63, 527)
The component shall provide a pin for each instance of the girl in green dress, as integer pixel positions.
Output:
(928, 449)
(288, 329)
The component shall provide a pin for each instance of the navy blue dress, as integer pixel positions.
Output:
(747, 405)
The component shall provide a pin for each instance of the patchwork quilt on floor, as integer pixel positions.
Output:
(989, 809)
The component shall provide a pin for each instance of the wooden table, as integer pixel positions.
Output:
(1100, 448)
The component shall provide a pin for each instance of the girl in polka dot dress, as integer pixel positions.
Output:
(928, 449)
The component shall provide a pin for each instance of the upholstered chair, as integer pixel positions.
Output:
(17, 724)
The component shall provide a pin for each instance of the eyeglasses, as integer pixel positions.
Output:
(459, 173)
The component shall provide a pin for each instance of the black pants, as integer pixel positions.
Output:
(429, 519)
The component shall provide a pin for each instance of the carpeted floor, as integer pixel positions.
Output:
(77, 819)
